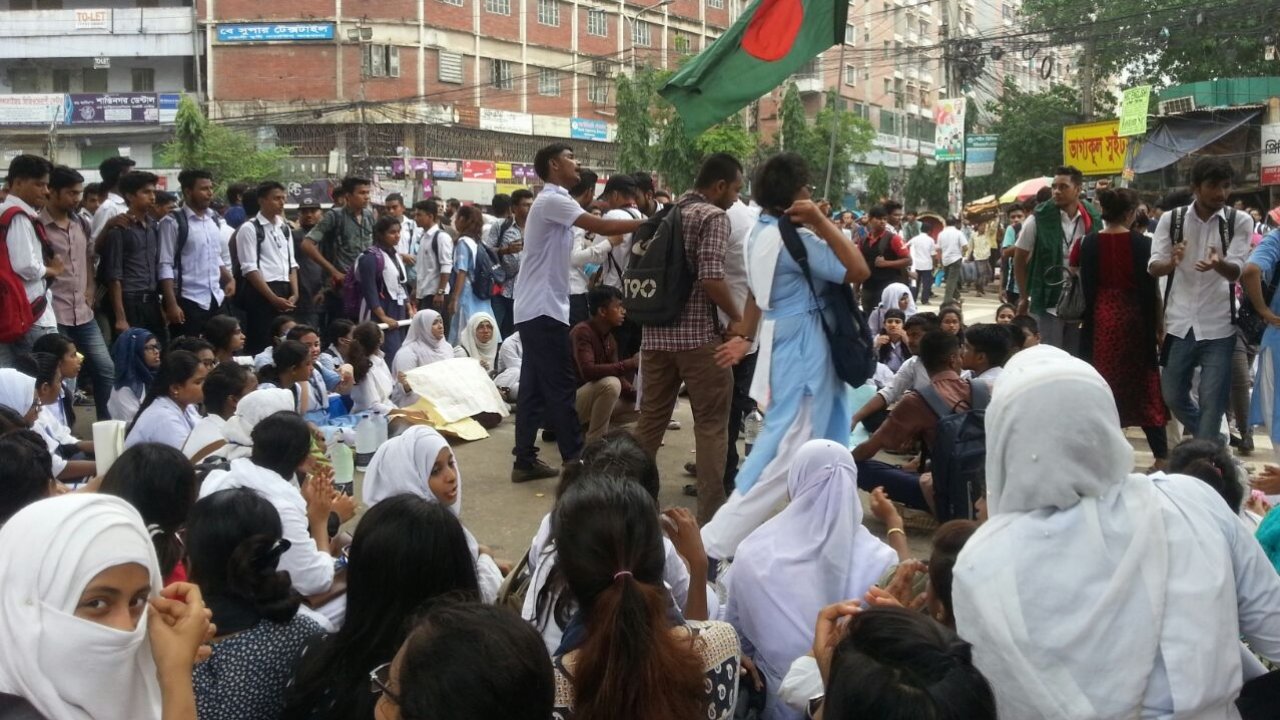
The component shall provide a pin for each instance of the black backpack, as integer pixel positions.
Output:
(852, 351)
(958, 455)
(658, 280)
(235, 256)
(487, 273)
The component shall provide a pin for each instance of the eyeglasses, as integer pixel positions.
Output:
(151, 348)
(209, 364)
(380, 682)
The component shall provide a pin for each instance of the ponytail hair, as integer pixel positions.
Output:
(234, 544)
(160, 483)
(177, 368)
(630, 666)
(288, 355)
(366, 338)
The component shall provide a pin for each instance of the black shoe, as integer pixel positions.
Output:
(691, 469)
(548, 436)
(690, 491)
(1233, 441)
(538, 470)
(1246, 445)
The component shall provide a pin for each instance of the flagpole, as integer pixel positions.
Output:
(835, 124)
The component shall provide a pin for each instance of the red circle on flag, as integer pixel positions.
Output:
(773, 29)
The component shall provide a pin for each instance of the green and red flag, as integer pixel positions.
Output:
(772, 40)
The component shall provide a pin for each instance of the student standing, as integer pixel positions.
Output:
(192, 271)
(132, 258)
(1200, 260)
(434, 260)
(74, 289)
(547, 381)
(29, 254)
(951, 246)
(268, 266)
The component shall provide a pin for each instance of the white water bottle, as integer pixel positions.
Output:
(751, 428)
(366, 440)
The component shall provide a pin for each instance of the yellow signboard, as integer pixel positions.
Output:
(1094, 148)
(502, 171)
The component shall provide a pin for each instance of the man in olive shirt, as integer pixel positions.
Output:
(337, 241)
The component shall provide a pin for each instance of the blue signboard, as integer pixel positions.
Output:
(263, 32)
(588, 129)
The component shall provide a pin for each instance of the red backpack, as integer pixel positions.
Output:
(17, 314)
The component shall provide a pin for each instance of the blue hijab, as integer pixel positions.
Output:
(130, 360)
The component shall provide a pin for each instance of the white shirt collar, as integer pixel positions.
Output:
(263, 220)
(14, 200)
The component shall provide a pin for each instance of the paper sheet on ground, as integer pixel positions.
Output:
(452, 391)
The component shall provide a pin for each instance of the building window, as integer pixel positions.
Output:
(850, 35)
(811, 70)
(459, 3)
(641, 34)
(500, 74)
(381, 61)
(866, 33)
(598, 90)
(548, 82)
(93, 81)
(680, 43)
(35, 4)
(23, 80)
(148, 3)
(62, 81)
(850, 75)
(597, 23)
(144, 80)
(450, 69)
(549, 13)
(498, 7)
(717, 4)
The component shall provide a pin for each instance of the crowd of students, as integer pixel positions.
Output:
(207, 574)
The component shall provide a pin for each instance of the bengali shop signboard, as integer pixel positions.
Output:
(477, 170)
(265, 32)
(588, 129)
(980, 155)
(30, 109)
(1271, 154)
(1095, 148)
(446, 169)
(113, 108)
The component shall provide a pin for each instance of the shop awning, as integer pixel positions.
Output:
(1179, 136)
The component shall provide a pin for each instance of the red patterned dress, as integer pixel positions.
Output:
(1123, 348)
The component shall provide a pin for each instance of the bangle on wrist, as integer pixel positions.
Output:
(893, 530)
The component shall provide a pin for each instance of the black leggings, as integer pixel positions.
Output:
(1158, 441)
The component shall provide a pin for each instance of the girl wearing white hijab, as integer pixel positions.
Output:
(1096, 593)
(470, 344)
(424, 345)
(814, 553)
(81, 640)
(18, 393)
(893, 297)
(251, 410)
(420, 462)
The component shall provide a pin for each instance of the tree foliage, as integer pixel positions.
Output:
(1161, 41)
(231, 155)
(643, 114)
(1030, 129)
(812, 140)
(877, 184)
(927, 187)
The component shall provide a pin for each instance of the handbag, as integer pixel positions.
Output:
(850, 338)
(1071, 301)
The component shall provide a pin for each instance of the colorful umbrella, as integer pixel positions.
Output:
(1025, 190)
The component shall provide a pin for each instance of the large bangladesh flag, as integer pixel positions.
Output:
(771, 40)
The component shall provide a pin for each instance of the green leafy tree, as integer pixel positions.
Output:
(1160, 41)
(877, 184)
(854, 136)
(1030, 129)
(643, 114)
(927, 187)
(231, 155)
(794, 135)
(635, 123)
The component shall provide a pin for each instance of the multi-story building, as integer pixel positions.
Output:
(82, 80)
(383, 86)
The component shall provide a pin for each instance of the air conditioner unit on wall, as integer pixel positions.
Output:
(602, 68)
(1173, 106)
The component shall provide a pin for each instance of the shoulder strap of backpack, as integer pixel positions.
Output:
(1226, 233)
(1175, 237)
(180, 243)
(979, 395)
(935, 402)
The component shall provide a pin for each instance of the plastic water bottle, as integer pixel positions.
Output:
(381, 425)
(366, 440)
(751, 428)
(344, 466)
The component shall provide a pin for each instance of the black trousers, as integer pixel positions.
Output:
(194, 317)
(578, 309)
(143, 310)
(548, 391)
(740, 407)
(259, 312)
(505, 309)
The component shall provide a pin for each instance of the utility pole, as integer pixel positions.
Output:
(835, 128)
(1086, 80)
(955, 183)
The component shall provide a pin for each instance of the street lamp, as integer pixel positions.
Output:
(635, 19)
